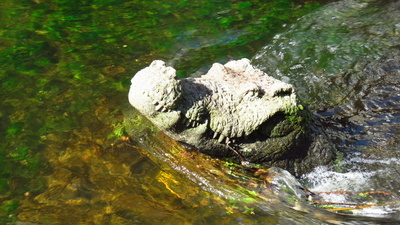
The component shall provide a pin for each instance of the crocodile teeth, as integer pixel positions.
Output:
(215, 135)
(221, 138)
(240, 133)
(220, 128)
(190, 123)
(159, 108)
(212, 124)
(227, 140)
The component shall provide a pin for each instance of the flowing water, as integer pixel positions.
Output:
(347, 58)
(65, 157)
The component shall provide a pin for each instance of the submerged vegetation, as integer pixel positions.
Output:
(66, 67)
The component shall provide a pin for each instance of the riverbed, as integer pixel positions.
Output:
(65, 156)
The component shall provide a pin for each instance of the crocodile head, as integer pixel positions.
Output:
(232, 105)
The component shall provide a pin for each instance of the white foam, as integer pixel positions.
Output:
(324, 180)
(361, 175)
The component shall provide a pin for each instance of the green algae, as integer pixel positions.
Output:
(66, 66)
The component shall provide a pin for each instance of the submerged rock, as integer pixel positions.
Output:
(235, 111)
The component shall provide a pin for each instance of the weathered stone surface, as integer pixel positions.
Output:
(234, 110)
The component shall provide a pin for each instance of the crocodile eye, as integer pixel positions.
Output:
(286, 91)
(252, 93)
(256, 92)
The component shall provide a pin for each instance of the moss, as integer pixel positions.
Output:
(7, 209)
(4, 187)
(299, 117)
(137, 125)
(118, 131)
(19, 154)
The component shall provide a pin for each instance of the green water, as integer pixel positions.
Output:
(65, 71)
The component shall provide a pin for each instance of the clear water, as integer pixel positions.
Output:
(65, 70)
(347, 57)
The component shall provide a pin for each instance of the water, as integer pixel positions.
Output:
(353, 76)
(66, 65)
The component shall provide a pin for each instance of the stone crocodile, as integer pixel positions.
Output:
(233, 111)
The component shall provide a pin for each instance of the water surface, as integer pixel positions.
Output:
(66, 66)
